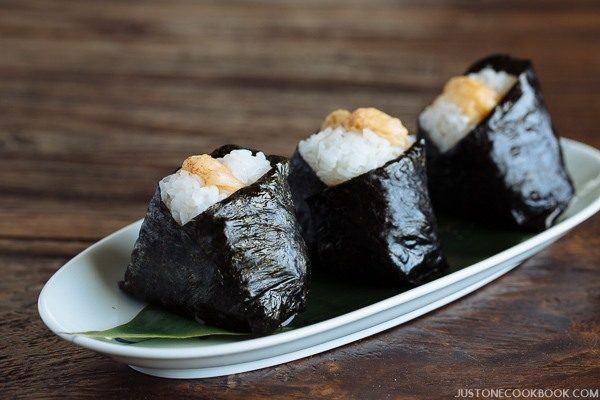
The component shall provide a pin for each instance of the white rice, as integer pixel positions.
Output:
(445, 123)
(185, 195)
(500, 81)
(246, 167)
(444, 120)
(337, 155)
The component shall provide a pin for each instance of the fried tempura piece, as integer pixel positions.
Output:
(474, 98)
(212, 172)
(336, 118)
(382, 124)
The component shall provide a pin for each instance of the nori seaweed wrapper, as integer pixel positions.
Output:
(239, 265)
(304, 183)
(509, 169)
(377, 228)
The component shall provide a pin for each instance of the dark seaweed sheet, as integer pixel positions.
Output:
(239, 265)
(377, 228)
(508, 170)
(304, 183)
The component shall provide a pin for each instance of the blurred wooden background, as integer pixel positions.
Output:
(99, 99)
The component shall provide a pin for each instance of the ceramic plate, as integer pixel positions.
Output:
(83, 294)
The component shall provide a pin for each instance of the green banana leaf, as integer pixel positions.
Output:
(154, 322)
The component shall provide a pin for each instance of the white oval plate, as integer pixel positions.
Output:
(83, 296)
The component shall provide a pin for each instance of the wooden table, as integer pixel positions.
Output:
(99, 99)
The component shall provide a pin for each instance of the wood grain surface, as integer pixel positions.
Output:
(99, 99)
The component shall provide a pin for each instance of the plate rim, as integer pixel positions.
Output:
(193, 352)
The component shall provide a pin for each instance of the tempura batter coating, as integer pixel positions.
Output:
(382, 124)
(212, 172)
